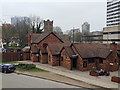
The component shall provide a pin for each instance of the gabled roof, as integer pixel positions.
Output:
(34, 49)
(34, 36)
(69, 51)
(92, 50)
(39, 37)
(55, 48)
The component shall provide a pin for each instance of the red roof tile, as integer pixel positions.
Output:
(92, 50)
(34, 49)
(55, 48)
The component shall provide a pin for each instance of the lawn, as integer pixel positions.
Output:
(29, 68)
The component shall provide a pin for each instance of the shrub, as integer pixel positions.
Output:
(26, 66)
(116, 77)
(94, 69)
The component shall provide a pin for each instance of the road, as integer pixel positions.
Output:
(14, 80)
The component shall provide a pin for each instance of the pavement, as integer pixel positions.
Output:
(58, 78)
(14, 80)
(101, 81)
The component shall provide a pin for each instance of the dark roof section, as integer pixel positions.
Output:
(26, 49)
(39, 37)
(55, 48)
(43, 50)
(34, 36)
(69, 51)
(34, 49)
(92, 50)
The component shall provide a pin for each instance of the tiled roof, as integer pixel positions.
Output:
(92, 50)
(34, 49)
(69, 51)
(55, 48)
(36, 38)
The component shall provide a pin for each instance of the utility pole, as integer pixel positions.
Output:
(73, 34)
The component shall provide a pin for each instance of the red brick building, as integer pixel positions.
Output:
(38, 43)
(100, 56)
(53, 50)
(49, 48)
(67, 57)
(43, 57)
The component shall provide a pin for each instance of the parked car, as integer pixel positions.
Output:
(5, 68)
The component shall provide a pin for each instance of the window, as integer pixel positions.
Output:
(84, 64)
(101, 61)
(91, 60)
(49, 58)
(115, 60)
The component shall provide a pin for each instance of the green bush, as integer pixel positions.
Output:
(26, 66)
(116, 77)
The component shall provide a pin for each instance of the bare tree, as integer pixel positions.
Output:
(8, 32)
(22, 29)
(36, 24)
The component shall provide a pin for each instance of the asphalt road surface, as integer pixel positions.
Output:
(14, 80)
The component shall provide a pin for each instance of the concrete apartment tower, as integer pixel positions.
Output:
(48, 26)
(111, 33)
(85, 28)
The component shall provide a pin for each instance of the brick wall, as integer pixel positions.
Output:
(66, 62)
(79, 65)
(26, 56)
(54, 60)
(105, 65)
(34, 58)
(44, 58)
(51, 38)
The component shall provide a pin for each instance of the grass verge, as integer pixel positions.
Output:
(28, 68)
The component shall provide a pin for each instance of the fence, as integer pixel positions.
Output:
(12, 56)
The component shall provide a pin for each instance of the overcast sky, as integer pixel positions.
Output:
(66, 13)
